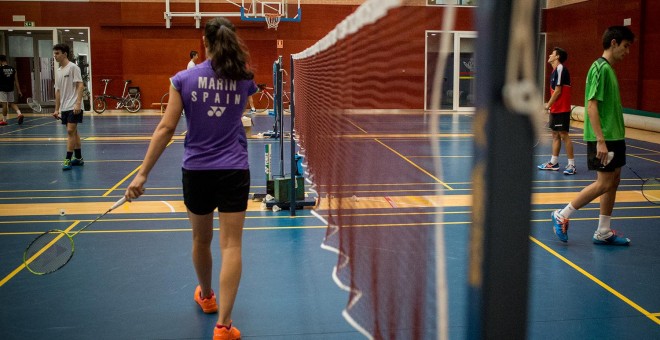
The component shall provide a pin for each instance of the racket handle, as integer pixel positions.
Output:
(118, 203)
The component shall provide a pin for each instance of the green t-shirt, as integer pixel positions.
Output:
(603, 86)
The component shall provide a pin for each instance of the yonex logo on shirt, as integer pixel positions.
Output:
(216, 110)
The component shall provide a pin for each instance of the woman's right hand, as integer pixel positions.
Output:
(136, 188)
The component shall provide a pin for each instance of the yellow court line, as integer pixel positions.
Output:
(415, 165)
(644, 158)
(406, 135)
(33, 139)
(373, 225)
(639, 308)
(27, 128)
(404, 158)
(134, 171)
(121, 181)
(111, 138)
(126, 231)
(361, 202)
(22, 266)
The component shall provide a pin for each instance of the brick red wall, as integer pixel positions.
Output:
(128, 40)
(578, 28)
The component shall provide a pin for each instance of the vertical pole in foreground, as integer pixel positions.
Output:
(277, 106)
(499, 235)
(292, 191)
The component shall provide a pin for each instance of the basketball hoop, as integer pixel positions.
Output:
(272, 19)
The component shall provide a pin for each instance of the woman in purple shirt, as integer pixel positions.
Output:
(215, 161)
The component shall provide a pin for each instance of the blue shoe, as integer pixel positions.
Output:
(570, 170)
(66, 165)
(560, 225)
(610, 240)
(77, 161)
(549, 166)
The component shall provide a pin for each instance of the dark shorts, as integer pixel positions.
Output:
(560, 121)
(206, 190)
(69, 117)
(619, 160)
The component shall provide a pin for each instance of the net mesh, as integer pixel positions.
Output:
(361, 129)
(48, 252)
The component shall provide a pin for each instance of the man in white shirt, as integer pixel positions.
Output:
(193, 58)
(68, 99)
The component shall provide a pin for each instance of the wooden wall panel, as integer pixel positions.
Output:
(578, 28)
(650, 77)
(128, 40)
(571, 30)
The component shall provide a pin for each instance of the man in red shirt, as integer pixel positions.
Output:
(559, 106)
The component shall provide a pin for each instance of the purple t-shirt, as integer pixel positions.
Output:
(213, 107)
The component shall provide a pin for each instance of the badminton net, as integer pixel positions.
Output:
(359, 95)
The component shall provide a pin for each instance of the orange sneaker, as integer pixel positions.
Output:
(221, 332)
(208, 305)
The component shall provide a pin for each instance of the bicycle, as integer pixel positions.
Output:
(129, 100)
(263, 99)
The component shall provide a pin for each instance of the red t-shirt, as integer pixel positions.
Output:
(561, 77)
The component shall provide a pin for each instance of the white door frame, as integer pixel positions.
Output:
(457, 68)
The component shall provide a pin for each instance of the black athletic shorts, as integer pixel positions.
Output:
(69, 117)
(560, 121)
(619, 160)
(206, 190)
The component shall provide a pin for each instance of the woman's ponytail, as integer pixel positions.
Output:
(229, 55)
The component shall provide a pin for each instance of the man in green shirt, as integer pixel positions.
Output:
(604, 133)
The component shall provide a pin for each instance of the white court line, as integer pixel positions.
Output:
(169, 205)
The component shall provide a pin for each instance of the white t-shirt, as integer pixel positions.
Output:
(66, 79)
(191, 64)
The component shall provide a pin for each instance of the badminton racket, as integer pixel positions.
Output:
(53, 249)
(34, 105)
(650, 188)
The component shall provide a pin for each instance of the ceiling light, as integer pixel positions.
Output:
(66, 30)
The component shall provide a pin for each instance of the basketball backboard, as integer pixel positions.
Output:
(258, 10)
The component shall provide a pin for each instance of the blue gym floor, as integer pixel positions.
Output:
(132, 276)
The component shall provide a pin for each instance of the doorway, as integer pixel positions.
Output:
(30, 51)
(459, 80)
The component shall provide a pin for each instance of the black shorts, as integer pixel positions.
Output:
(619, 160)
(560, 121)
(69, 117)
(206, 190)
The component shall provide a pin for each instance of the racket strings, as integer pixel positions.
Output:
(48, 252)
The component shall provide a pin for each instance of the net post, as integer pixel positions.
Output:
(292, 190)
(277, 106)
(499, 266)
